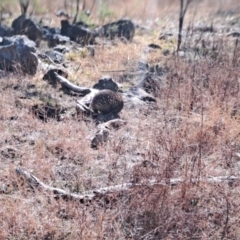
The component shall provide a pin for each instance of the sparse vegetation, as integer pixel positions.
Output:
(105, 12)
(168, 151)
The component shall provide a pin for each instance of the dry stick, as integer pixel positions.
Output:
(24, 6)
(90, 195)
(1, 14)
(77, 12)
(84, 5)
(65, 83)
(91, 9)
(182, 13)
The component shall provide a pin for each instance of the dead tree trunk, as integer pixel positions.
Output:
(77, 12)
(183, 8)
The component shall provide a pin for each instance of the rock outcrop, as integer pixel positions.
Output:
(77, 33)
(123, 29)
(18, 53)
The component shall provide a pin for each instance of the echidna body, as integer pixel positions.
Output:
(107, 101)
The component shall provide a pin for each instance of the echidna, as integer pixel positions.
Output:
(107, 101)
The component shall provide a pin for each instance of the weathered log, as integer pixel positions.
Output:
(36, 183)
(67, 84)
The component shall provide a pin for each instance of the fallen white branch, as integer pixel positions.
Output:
(90, 195)
(66, 83)
(35, 182)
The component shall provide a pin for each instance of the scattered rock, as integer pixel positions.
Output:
(61, 48)
(154, 46)
(204, 29)
(46, 111)
(100, 138)
(165, 36)
(26, 26)
(5, 31)
(91, 51)
(62, 13)
(166, 52)
(181, 54)
(9, 152)
(17, 52)
(136, 97)
(48, 31)
(157, 70)
(106, 82)
(122, 29)
(150, 84)
(103, 132)
(77, 33)
(142, 66)
(234, 34)
(56, 39)
(55, 56)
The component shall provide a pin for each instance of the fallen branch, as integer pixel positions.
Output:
(35, 182)
(67, 84)
(90, 195)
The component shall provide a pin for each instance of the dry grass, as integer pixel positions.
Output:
(191, 132)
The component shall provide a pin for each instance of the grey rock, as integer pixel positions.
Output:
(204, 29)
(106, 82)
(100, 138)
(165, 36)
(151, 84)
(20, 41)
(55, 56)
(234, 34)
(26, 26)
(56, 39)
(154, 46)
(157, 70)
(61, 48)
(142, 66)
(166, 52)
(136, 97)
(62, 13)
(17, 53)
(91, 51)
(48, 31)
(77, 33)
(124, 29)
(5, 31)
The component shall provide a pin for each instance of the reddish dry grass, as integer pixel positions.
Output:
(192, 133)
